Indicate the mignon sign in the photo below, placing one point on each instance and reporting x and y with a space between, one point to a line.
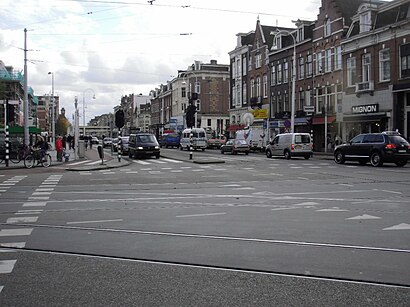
369 108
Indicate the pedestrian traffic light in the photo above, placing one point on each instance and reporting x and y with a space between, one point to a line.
119 119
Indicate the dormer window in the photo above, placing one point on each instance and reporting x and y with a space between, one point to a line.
278 41
300 34
365 22
327 29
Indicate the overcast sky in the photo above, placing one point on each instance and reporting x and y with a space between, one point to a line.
120 47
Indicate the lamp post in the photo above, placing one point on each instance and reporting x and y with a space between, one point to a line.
53 122
76 127
293 101
88 89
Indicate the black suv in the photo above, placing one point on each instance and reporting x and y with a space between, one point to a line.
143 144
376 148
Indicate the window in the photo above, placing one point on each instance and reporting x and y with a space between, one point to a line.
309 65
366 63
250 63
405 61
327 29
351 71
209 122
319 63
243 66
285 72
328 60
357 139
252 88
258 86
234 95
238 95
308 95
278 41
273 75
301 68
299 35
244 92
197 87
384 64
320 100
183 105
301 100
338 58
279 75
183 92
265 86
365 22
258 60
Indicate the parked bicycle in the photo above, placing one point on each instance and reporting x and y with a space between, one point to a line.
15 156
37 157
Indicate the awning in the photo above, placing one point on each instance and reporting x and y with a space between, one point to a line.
232 128
321 120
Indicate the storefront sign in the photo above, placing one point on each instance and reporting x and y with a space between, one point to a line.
370 108
260 113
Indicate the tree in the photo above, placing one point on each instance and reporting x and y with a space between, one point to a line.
62 125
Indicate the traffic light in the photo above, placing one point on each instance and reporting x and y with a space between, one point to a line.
119 119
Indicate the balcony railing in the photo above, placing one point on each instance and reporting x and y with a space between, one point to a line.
364 87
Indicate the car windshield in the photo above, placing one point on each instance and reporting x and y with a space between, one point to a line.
240 142
124 140
172 135
302 139
146 139
395 139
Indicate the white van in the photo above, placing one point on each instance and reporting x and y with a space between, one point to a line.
290 145
193 137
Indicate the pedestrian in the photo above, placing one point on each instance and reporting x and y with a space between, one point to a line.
85 142
59 148
69 140
90 139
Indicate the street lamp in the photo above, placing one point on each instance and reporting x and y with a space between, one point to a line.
88 89
292 119
53 122
76 127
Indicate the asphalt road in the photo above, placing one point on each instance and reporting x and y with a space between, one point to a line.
226 230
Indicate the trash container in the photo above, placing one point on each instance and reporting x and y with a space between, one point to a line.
81 149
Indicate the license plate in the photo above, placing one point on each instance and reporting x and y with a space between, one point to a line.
402 151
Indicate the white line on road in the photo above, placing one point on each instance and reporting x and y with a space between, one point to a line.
141 162
38 211
87 222
23 219
38 198
170 160
35 204
77 163
6 266
14 244
205 214
41 193
44 189
15 232
94 162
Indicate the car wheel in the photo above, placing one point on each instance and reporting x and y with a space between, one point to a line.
222 152
129 155
286 154
203 149
268 153
339 157
307 157
401 163
376 159
246 152
181 148
157 156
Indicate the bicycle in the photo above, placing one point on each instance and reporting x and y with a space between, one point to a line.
39 156
19 155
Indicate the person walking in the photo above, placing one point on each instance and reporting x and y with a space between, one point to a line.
59 148
64 142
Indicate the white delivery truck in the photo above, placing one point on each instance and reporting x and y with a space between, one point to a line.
194 138
254 136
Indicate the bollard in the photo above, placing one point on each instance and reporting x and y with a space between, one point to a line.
119 149
190 153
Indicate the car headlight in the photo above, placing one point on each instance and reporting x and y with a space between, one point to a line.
156 147
140 148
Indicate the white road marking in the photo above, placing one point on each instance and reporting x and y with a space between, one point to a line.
85 173
303 178
14 244
141 162
38 198
6 184
94 162
332 210
171 160
77 163
3 191
38 211
219 169
393 192
41 193
244 188
132 172
205 214
35 204
87 222
1 287
402 226
15 232
283 208
363 217
229 185
176 171
308 203
346 185
23 219
198 170
155 172
6 266
158 161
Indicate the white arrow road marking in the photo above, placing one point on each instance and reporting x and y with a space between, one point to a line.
402 226
6 266
363 217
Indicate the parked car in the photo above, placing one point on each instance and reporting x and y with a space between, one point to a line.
235 146
95 140
216 142
377 148
170 140
290 145
143 144
107 142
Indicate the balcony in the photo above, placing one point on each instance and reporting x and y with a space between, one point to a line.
256 101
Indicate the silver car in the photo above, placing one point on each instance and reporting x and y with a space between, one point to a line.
290 145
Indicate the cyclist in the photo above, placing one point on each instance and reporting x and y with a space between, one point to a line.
42 145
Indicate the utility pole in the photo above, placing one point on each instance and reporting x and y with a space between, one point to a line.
26 129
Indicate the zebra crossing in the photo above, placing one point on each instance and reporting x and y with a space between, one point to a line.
12 235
